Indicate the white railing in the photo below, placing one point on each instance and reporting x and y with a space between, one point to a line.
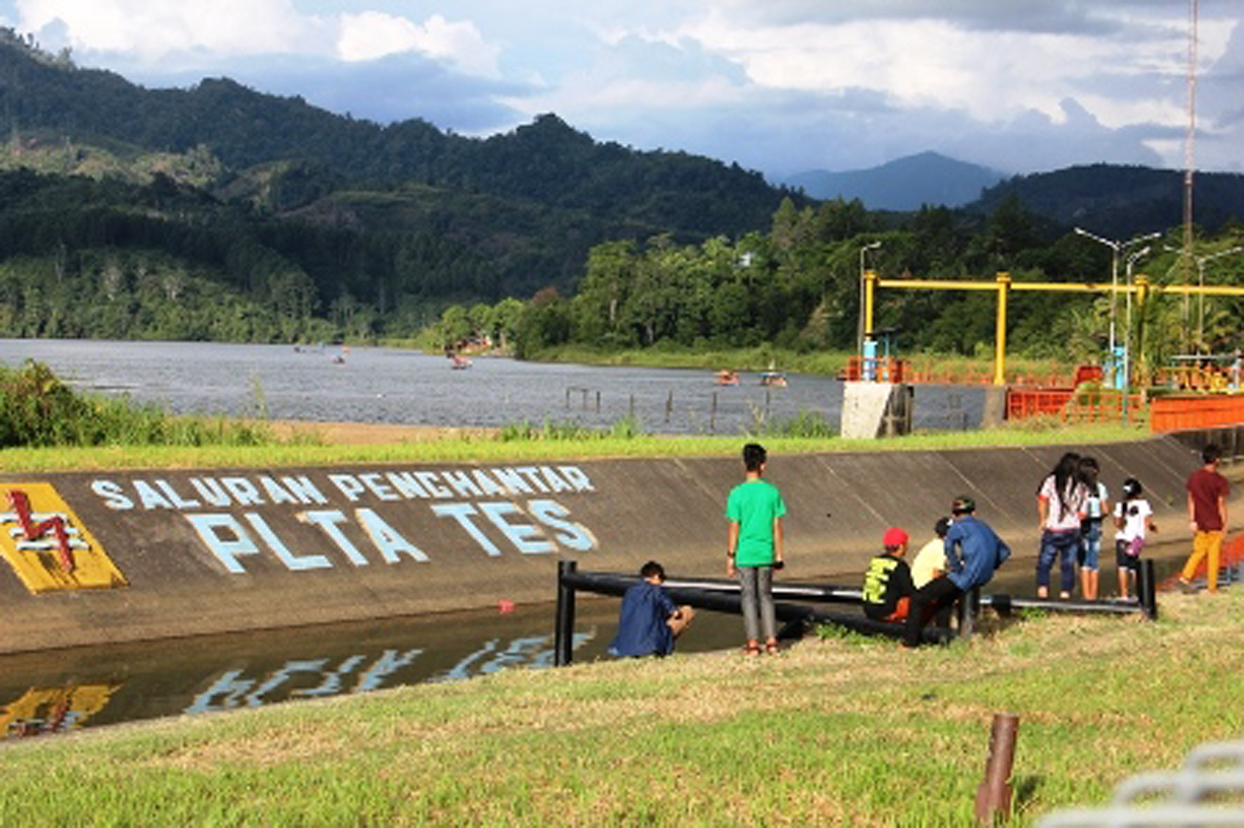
1208 790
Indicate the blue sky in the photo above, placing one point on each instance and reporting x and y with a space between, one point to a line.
781 86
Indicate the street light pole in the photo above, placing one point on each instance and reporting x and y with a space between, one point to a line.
1127 332
1116 248
1200 269
859 333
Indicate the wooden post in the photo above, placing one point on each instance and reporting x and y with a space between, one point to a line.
712 416
993 796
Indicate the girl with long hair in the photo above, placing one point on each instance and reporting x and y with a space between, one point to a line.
1060 508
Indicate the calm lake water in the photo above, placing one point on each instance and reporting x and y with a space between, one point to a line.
380 385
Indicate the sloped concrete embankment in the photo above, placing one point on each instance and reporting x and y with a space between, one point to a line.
209 551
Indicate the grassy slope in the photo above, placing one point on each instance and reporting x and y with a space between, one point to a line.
487 449
840 730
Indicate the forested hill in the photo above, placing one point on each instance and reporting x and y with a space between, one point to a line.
1121 201
300 223
546 162
222 213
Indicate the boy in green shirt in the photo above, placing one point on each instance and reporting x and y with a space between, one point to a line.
754 547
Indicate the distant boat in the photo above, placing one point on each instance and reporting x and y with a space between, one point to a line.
727 378
458 362
773 379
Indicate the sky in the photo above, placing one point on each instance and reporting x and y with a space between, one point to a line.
779 86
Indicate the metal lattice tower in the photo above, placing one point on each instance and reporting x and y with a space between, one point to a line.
1190 142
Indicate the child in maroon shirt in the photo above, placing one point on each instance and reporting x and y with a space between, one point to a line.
1207 517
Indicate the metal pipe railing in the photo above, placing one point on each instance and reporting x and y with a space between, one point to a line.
723 595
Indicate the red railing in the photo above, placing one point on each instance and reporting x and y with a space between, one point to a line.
884 369
1070 405
1023 403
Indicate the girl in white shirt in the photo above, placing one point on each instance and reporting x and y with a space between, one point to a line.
1060 508
1133 516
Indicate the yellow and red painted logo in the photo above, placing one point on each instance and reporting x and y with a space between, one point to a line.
46 544
46 710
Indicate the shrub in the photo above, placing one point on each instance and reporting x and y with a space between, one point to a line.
37 409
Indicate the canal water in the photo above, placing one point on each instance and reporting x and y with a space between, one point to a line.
50 693
382 385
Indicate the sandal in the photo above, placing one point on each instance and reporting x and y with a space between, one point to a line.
771 647
752 649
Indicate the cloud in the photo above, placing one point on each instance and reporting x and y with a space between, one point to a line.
187 34
150 31
780 86
373 35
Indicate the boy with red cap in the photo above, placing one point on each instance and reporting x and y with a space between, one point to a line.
887 584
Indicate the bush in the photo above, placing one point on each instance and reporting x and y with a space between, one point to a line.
37 409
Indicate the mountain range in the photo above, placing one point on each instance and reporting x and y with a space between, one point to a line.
904 184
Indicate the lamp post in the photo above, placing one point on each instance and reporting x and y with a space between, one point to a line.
1116 248
859 334
1200 269
1127 331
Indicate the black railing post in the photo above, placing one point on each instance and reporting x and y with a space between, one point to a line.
968 608
563 634
1146 588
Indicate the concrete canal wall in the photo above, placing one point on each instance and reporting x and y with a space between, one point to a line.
165 553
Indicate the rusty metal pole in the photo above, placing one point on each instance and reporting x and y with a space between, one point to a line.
993 796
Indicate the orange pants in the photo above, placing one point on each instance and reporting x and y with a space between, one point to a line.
1205 546
900 610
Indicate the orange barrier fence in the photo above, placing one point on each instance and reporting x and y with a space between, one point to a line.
1070 405
1183 413
883 369
1022 403
1104 406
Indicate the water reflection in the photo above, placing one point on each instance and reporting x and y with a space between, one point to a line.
62 691
57 692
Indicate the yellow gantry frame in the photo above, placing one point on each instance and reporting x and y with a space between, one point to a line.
1140 287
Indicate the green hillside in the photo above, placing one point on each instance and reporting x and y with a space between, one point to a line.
218 212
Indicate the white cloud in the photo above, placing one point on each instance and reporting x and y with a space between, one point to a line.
190 33
151 30
372 35
774 84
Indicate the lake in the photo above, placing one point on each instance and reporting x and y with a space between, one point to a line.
383 385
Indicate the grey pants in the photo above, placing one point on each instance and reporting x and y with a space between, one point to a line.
757 588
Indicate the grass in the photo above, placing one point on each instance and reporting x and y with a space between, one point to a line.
835 731
937 367
527 443
759 358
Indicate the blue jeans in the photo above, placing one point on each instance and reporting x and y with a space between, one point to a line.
1090 545
756 583
1064 546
